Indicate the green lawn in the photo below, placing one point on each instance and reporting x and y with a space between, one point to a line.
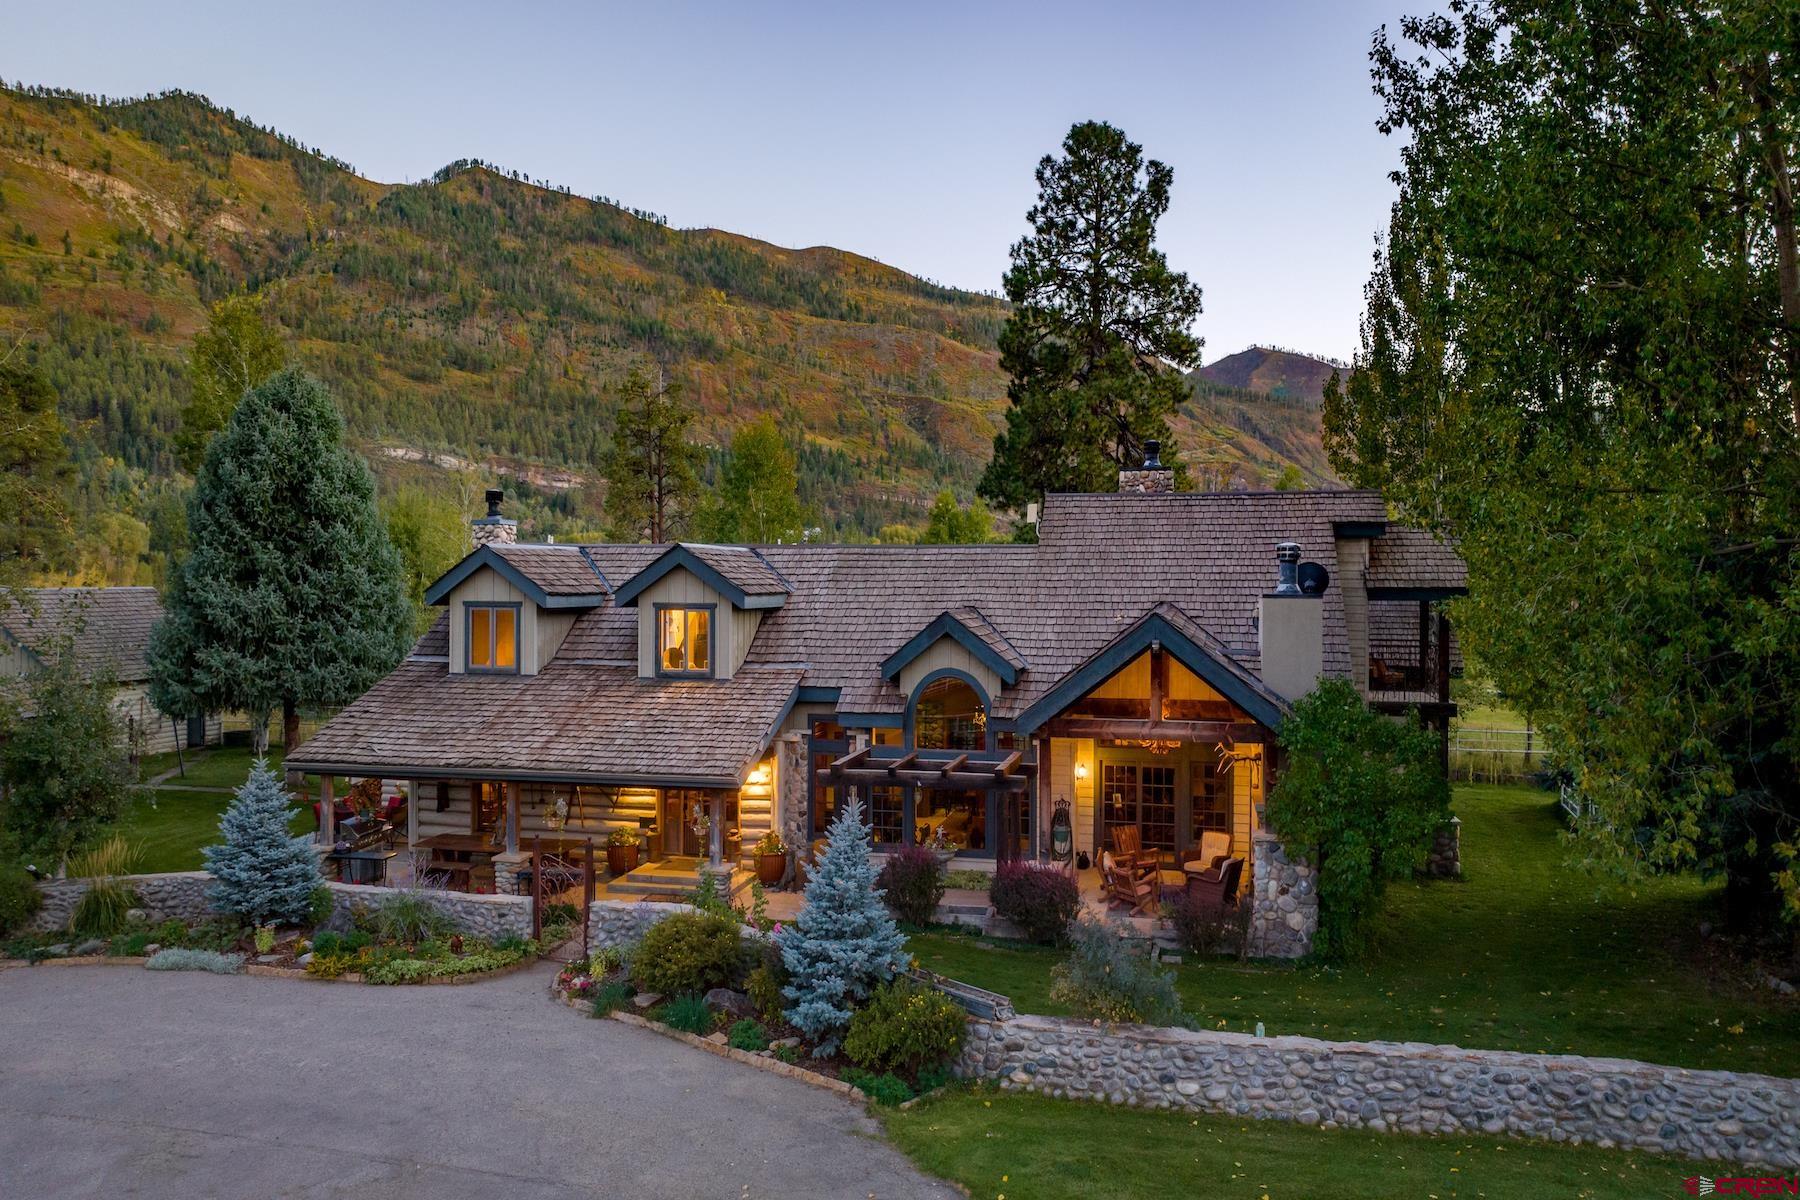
1033 1148
217 766
170 833
1524 954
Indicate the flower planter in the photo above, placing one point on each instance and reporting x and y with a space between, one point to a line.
770 868
621 859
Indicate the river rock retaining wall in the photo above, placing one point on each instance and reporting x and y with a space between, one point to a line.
1752 1120
489 917
1444 859
621 922
179 894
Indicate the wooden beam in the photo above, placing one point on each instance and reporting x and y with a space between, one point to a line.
1179 731
898 764
852 759
1008 763
954 765
1159 681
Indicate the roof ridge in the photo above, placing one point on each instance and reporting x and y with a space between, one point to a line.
595 567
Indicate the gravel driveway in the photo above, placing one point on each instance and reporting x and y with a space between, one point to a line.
118 1081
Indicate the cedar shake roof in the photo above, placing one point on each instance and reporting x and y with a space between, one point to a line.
1415 560
559 570
570 721
110 626
1103 565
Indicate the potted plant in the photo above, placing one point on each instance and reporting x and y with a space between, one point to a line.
621 851
771 859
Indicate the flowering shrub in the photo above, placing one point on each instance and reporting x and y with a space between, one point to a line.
913 881
1040 900
905 1027
1104 978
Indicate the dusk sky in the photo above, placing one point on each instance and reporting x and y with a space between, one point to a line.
906 132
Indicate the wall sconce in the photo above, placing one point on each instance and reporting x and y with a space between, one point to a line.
1081 772
760 780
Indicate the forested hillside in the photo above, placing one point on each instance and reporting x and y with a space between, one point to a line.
478 320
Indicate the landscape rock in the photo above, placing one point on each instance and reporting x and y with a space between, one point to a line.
735 1003
647 999
91 946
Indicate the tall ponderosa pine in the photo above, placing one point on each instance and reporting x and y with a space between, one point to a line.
653 469
261 872
1099 324
236 351
844 944
758 498
291 594
1581 357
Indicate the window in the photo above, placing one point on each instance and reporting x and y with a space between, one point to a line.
684 641
1211 799
493 637
949 716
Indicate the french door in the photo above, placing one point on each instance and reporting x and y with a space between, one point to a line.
1144 792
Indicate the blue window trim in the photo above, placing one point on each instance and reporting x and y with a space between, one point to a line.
712 641
469 607
912 705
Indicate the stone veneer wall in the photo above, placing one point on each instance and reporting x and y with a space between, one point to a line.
180 894
1750 1120
1444 859
1284 912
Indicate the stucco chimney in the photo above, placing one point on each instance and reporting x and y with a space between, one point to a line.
1291 626
494 529
1152 476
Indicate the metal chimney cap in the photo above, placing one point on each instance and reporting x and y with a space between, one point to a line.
1287 567
1287 552
1153 455
494 497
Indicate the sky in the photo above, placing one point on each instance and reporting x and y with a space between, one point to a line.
907 132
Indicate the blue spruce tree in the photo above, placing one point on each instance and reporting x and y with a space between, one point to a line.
262 872
843 944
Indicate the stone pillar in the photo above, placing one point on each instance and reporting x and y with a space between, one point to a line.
507 869
1285 901
494 529
1445 858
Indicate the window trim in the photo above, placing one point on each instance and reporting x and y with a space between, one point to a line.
469 607
712 641
911 726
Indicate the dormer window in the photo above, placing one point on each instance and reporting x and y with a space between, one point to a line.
684 640
493 639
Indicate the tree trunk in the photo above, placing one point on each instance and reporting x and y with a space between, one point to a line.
259 733
1781 209
290 727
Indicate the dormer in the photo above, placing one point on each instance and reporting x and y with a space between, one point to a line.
699 608
511 605
960 641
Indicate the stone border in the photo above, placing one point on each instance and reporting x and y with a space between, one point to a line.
1411 1087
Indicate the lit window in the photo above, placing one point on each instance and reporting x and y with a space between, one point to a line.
493 637
684 641
949 715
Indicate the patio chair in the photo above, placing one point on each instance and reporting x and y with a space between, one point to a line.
1216 890
1129 886
1128 850
1214 845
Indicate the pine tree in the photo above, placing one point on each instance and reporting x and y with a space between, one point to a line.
291 594
652 470
1098 321
844 943
262 872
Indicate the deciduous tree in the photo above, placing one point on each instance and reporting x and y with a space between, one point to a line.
951 523
758 496
1099 325
34 473
1581 357
237 350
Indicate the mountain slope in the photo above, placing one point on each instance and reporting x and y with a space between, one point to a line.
1252 414
1278 374
475 320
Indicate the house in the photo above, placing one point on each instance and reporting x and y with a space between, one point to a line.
1131 669
108 631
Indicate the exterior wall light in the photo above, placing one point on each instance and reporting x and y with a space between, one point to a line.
1081 772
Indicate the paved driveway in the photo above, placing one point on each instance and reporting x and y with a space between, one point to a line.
116 1081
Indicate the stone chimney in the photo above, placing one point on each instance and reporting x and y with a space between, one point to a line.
1291 627
1152 476
494 529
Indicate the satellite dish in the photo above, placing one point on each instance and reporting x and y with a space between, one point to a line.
1314 579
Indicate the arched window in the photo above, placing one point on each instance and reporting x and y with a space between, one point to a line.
948 714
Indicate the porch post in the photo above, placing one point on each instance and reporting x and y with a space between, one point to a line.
511 792
412 811
327 817
715 841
